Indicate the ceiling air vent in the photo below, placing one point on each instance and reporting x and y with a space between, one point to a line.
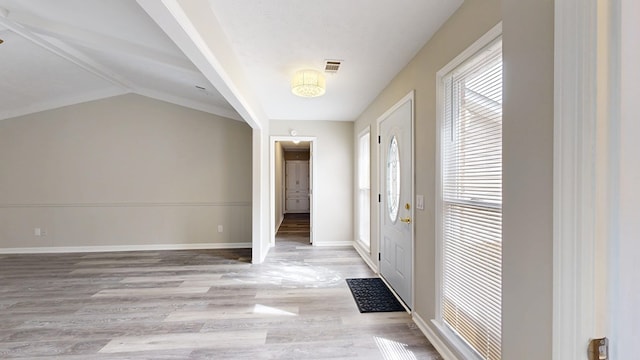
332 66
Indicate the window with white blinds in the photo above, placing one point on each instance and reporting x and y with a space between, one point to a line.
471 201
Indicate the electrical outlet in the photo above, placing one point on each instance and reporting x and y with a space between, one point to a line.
220 228
37 232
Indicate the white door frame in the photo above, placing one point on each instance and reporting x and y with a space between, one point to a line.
313 183
624 247
381 173
585 120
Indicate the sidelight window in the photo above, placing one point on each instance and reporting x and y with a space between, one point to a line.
470 201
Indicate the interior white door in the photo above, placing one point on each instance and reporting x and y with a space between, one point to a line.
396 208
297 186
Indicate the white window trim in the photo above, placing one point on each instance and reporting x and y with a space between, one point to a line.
366 247
459 345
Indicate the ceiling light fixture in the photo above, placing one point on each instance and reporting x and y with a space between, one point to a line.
308 83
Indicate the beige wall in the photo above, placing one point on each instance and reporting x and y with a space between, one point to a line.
124 171
528 161
333 190
472 20
527 258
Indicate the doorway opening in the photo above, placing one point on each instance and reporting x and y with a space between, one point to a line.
294 229
292 182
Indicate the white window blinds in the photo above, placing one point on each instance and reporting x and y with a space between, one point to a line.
471 237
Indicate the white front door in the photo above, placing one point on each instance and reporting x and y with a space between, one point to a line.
396 206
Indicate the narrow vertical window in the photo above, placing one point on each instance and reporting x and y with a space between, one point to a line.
393 180
470 235
364 188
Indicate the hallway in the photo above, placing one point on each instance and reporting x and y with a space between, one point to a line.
295 227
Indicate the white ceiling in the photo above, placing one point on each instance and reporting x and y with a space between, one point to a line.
375 39
68 51
63 52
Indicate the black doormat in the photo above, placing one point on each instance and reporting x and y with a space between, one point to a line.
372 295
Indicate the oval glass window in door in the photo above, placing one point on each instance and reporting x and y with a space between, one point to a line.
393 179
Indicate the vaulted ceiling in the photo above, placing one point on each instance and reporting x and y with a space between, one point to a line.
226 57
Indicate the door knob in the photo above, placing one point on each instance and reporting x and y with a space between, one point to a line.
406 220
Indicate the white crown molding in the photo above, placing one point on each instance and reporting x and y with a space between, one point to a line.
195 105
62 102
111 92
120 248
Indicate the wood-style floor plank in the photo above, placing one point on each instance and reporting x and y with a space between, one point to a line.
247 338
197 304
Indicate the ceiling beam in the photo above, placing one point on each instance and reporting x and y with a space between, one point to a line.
100 42
193 26
65 52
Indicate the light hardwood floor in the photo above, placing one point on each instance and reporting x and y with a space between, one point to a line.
197 304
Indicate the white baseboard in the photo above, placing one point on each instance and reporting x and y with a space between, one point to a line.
433 338
333 243
365 256
116 248
279 223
